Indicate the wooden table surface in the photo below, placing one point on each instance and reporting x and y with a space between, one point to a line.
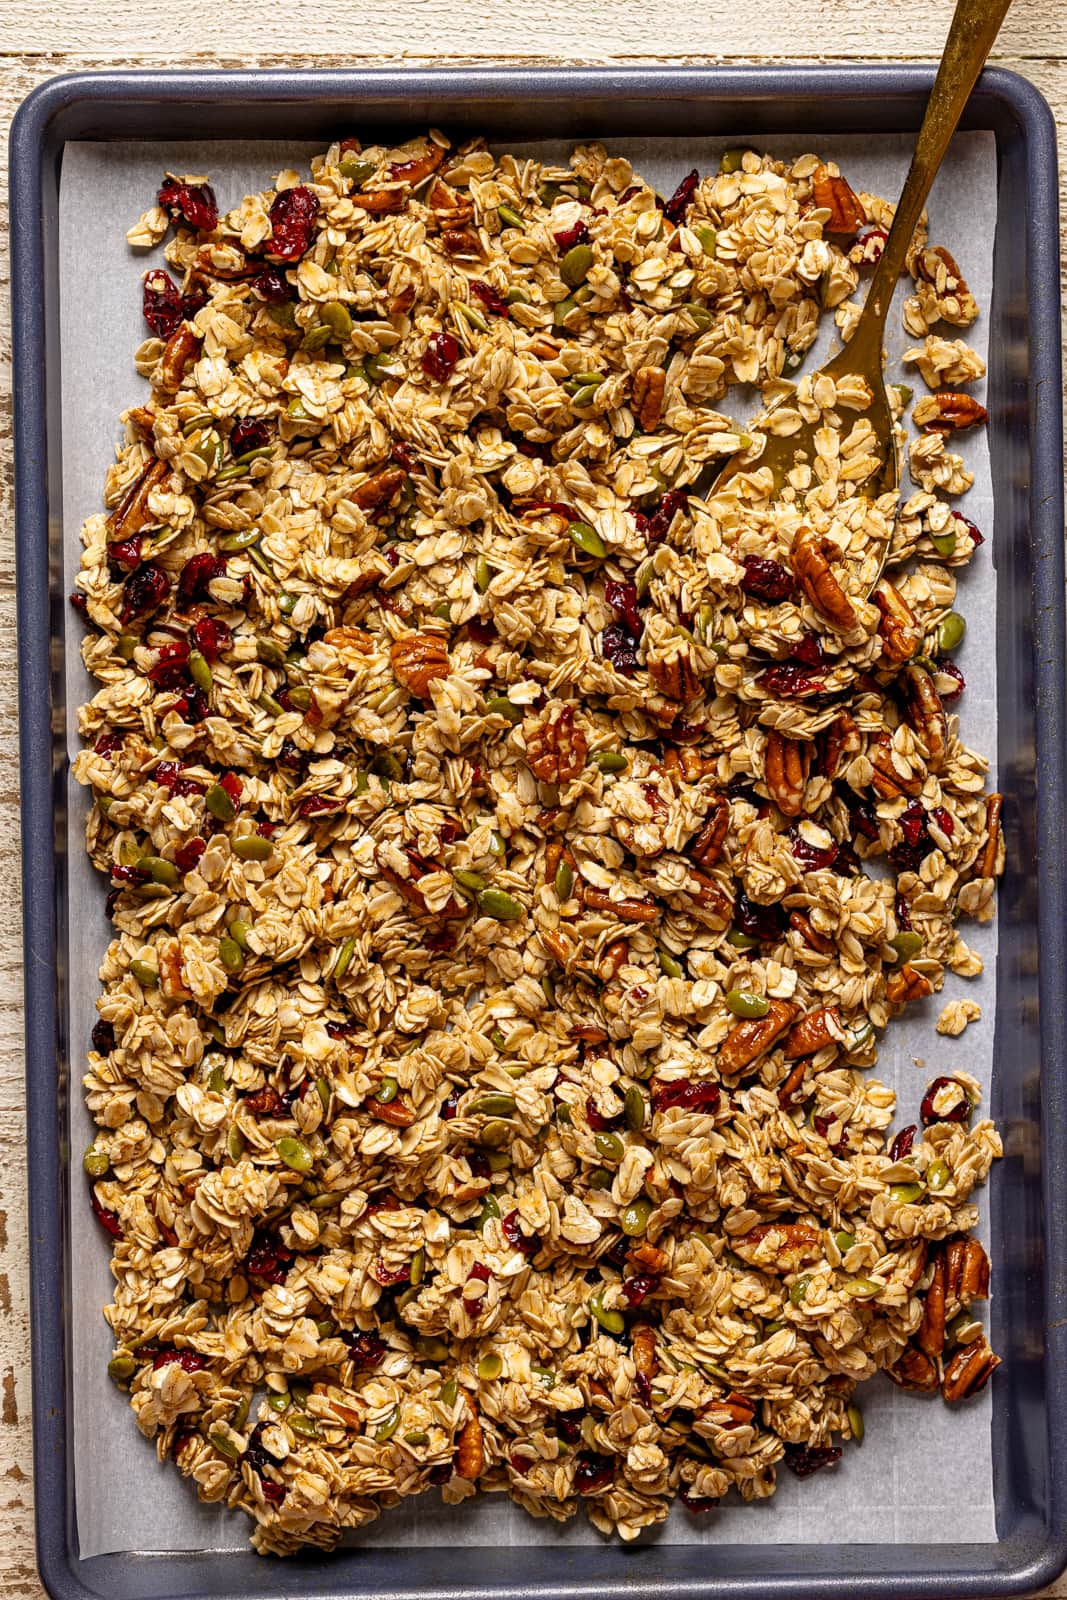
40 38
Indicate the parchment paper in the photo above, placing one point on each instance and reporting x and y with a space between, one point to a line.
923 1473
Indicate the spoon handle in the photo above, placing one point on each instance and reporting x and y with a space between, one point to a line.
970 39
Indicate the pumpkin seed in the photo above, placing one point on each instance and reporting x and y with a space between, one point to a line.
634 1219
509 217
96 1162
668 964
355 169
611 1321
504 907
219 802
743 1003
950 633
295 1154
609 760
574 268
799 1290
844 1241
563 882
855 1422
387 1091
303 1427
587 540
944 543
146 976
338 319
609 1146
159 869
907 944
634 1109
709 239
231 955
224 1445
741 941
469 880
493 1105
417 1270
562 310
500 706
490 1367
121 1367
448 1392
252 847
906 1193
938 1174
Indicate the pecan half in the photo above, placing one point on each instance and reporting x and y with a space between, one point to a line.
966 1272
948 411
556 749
731 1410
786 763
840 739
927 714
897 627
915 1370
397 1113
751 1039
814 1032
674 675
556 945
469 1460
627 909
907 984
419 167
838 197
987 861
643 1344
647 399
931 1335
381 202
132 513
615 957
379 490
461 241
142 417
417 659
792 1085
706 847
182 347
888 780
349 638
812 938
937 267
450 208
793 1243
811 554
968 1371
686 762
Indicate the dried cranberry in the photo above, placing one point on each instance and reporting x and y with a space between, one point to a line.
187 855
567 238
479 1164
872 243
803 1460
107 1219
80 604
440 356
811 857
861 816
847 863
171 665
697 1503
479 1273
689 1093
767 580
622 597
676 207
534 451
789 681
193 706
976 537
913 823
659 523
272 286
211 638
249 433
481 629
265 1102
317 805
439 940
450 1107
292 220
766 923
620 648
128 877
559 507
169 774
188 1360
144 592
949 669
126 553
273 1493
439 1474
268 1258
233 786
944 821
638 1288
596 1119
290 755
107 744
110 903
644 1386
809 649
593 1472
366 1351
197 573
569 1428
903 911
903 1142
489 298
959 1113
254 1453
341 1030
193 302
193 203
103 1037
161 303
529 1244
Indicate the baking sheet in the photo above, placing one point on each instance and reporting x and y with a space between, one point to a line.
923 1473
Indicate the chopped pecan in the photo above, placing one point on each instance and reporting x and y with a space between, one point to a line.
556 750
751 1039
801 924
811 555
142 417
786 763
937 267
686 762
615 956
419 167
793 1243
915 1370
643 1344
987 861
645 1257
378 490
381 202
470 1450
791 1086
906 984
897 628
674 675
171 972
966 1272
409 889
461 241
417 659
181 348
927 714
948 411
931 1335
968 1371
706 848
349 638
731 1410
647 399
840 739
837 196
814 1032
450 208
132 513
397 1113
628 909
402 302
888 781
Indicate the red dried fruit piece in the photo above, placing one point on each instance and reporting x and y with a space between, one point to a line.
622 597
197 573
490 299
790 681
822 1125
913 823
567 238
659 523
107 744
317 805
192 203
976 537
533 508
569 1428
404 455
144 592
527 1243
292 220
593 1472
903 911
366 1351
128 877
767 580
192 707
811 857
187 855
903 1142
80 604
188 1360
766 923
107 1219
450 1106
249 433
193 302
161 303
809 649
268 1258
688 1093
440 356
697 1503
479 1273
341 1030
171 666
861 816
265 1102
961 1112
273 1493
620 648
682 198
272 286
949 669
211 638
803 1460
944 821
126 553
638 1288
103 1037
232 784
872 243
169 774
596 1119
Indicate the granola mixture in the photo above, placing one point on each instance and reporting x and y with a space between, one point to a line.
517 847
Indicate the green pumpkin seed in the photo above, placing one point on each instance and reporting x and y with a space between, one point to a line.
855 1422
344 958
799 1290
303 1427
938 1175
493 1105
907 944
240 1416
231 955
609 1146
267 702
385 1430
217 1080
634 1219
471 316
252 847
338 319
562 310
904 392
585 395
574 268
387 1090
448 1392
500 706
944 543
126 644
326 1202
483 574
544 1376
600 1178
906 1193
743 1003
504 907
121 1367
611 1321
517 296
494 1135
563 1116
244 539
284 315
699 316
609 760
96 1162
490 1367
322 1089
224 1445
730 160
587 540
563 882
950 633
317 337
239 931
235 1143
298 411
295 1154
669 965
469 880
279 1402
499 1038
159 869
220 804
270 653
355 169
634 1109
741 941
417 1270
497 846
416 1438
509 217
146 976
709 239
862 1288
844 1241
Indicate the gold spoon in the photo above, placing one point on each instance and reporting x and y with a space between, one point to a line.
974 27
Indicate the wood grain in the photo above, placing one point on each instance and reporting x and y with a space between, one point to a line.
40 40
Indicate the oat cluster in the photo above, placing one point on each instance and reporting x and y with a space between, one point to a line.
518 845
